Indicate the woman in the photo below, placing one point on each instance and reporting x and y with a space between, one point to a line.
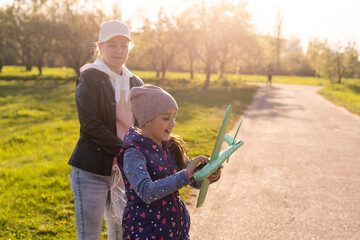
102 99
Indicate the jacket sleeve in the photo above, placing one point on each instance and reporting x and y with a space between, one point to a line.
86 96
148 190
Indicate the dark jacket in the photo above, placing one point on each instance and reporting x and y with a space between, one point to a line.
96 106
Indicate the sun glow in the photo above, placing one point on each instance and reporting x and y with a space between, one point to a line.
335 20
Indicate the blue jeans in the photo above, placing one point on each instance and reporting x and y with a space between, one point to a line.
92 202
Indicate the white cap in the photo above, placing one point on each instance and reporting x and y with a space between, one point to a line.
113 28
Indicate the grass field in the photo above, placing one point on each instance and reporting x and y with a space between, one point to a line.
345 95
39 131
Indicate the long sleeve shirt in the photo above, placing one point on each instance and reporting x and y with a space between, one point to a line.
148 190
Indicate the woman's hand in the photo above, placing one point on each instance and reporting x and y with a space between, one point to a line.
190 169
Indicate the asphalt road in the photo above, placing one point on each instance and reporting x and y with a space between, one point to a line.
297 176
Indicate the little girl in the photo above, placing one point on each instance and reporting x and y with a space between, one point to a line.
154 167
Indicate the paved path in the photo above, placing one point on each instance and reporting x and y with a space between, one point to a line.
296 177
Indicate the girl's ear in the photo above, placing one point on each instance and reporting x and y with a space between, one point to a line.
148 123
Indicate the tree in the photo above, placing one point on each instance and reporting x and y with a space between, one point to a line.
187 38
294 59
159 43
333 62
20 36
278 38
313 55
235 35
2 38
43 33
347 60
203 18
28 30
76 32
351 61
217 34
237 43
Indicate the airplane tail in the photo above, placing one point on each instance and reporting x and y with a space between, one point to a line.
230 141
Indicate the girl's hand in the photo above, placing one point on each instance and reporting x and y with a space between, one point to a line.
215 175
190 169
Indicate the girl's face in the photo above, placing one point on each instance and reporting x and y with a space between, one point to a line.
159 128
115 52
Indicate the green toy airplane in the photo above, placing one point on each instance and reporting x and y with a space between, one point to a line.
217 158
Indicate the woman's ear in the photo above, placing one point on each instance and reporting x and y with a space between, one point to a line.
99 46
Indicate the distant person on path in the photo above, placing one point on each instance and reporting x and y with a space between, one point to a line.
154 167
102 99
269 73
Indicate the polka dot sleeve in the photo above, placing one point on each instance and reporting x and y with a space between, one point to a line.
148 190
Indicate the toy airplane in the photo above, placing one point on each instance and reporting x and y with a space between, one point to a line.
217 158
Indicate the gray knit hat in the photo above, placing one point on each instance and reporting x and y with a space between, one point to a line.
149 101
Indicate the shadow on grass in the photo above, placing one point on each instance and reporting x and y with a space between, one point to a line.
37 87
36 77
62 93
217 97
354 88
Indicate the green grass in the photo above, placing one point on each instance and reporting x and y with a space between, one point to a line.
20 73
345 95
40 129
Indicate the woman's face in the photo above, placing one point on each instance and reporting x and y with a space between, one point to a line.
115 52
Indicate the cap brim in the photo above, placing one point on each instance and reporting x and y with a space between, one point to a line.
114 35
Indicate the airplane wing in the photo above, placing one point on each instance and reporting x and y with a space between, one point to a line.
220 137
202 194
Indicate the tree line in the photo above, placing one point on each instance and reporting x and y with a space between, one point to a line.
208 38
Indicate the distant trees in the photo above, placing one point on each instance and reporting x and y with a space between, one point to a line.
38 31
75 36
205 37
278 31
18 29
161 43
333 63
2 38
216 35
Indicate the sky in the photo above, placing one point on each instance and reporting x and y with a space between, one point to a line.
338 21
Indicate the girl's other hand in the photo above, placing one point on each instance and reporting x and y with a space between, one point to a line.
190 169
215 175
